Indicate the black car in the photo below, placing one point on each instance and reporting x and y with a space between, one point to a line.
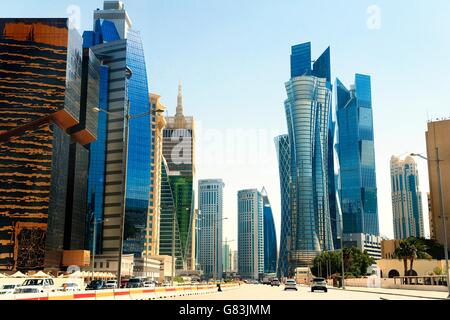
135 283
96 285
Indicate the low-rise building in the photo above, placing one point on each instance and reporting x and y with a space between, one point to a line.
391 268
166 263
147 268
364 242
388 248
106 263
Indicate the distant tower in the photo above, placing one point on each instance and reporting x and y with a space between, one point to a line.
406 199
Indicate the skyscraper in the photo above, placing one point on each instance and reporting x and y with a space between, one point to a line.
48 87
270 237
406 199
284 163
356 153
308 110
127 92
438 145
179 152
210 204
250 234
154 216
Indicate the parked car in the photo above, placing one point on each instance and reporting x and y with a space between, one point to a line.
69 287
319 284
275 283
8 289
96 285
38 285
149 284
166 284
290 285
135 283
111 284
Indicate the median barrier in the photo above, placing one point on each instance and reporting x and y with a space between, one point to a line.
61 296
86 295
122 294
31 296
105 295
160 293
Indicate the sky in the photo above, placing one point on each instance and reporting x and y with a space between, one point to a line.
232 57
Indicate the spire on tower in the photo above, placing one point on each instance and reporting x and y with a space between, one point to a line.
180 109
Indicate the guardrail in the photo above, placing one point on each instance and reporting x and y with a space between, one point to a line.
125 294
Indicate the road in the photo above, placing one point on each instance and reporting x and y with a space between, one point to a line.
262 293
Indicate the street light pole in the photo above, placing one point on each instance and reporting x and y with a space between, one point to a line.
173 246
443 215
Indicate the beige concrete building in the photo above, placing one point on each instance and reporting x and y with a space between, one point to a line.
388 248
391 268
107 263
430 217
438 144
166 262
153 222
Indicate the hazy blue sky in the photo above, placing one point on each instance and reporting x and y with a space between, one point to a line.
233 59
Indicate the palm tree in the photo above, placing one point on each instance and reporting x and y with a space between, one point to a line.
404 252
409 250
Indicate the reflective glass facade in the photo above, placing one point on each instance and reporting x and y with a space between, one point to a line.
308 109
270 237
43 167
250 234
356 152
406 199
284 163
210 234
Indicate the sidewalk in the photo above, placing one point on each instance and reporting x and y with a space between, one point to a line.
399 292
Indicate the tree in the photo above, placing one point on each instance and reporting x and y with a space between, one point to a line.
409 250
356 263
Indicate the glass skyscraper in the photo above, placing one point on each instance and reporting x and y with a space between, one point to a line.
210 234
270 237
307 111
356 152
250 234
406 199
48 87
284 161
121 48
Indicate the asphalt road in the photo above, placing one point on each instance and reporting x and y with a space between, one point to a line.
264 293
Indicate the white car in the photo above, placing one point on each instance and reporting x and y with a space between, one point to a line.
69 287
149 284
290 285
8 289
111 284
36 286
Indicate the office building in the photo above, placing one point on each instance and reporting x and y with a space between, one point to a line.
356 151
226 257
406 199
179 152
270 237
438 148
154 215
307 107
430 217
48 88
121 48
364 242
210 204
250 234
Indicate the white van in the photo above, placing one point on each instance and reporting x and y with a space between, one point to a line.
36 285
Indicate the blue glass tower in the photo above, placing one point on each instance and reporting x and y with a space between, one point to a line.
284 162
308 109
125 90
270 237
356 153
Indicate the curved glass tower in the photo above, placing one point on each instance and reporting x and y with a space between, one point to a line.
270 237
308 109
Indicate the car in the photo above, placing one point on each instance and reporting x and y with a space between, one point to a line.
319 284
111 284
135 283
149 284
290 285
96 285
41 286
8 289
69 287
166 284
275 283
